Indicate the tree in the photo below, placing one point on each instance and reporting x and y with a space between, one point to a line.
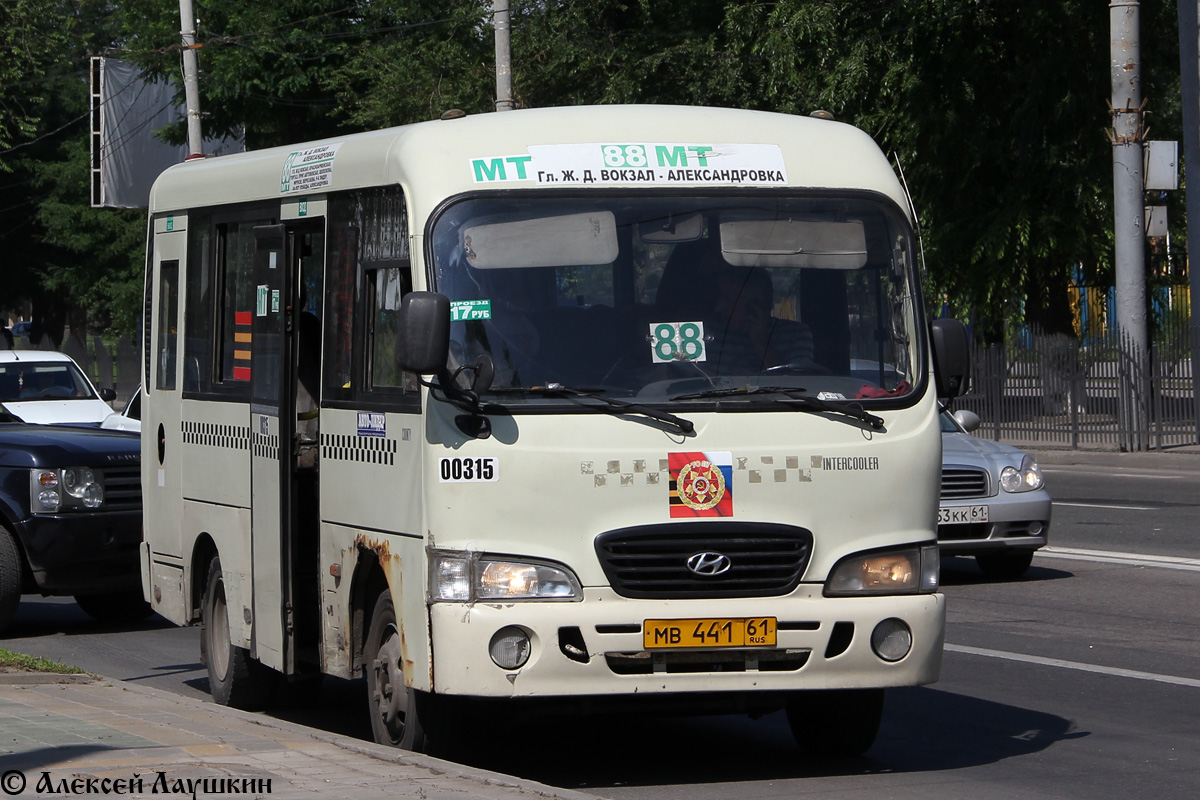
64 259
995 108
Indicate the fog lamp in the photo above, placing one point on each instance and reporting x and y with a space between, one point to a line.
510 647
891 640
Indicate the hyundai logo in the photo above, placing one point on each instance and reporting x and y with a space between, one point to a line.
709 564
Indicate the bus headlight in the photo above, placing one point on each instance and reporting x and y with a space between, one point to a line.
69 489
915 569
470 577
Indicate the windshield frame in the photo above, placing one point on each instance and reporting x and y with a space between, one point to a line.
737 404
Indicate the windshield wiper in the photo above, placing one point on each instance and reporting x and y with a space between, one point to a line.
616 406
794 398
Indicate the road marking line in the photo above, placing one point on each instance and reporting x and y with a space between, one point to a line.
1076 665
1097 505
1148 475
1131 559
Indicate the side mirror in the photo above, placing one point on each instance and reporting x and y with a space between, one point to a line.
423 329
969 420
951 357
108 395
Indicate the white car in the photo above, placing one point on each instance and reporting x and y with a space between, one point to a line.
994 503
130 419
48 388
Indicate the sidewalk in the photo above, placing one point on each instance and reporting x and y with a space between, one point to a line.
66 735
1185 457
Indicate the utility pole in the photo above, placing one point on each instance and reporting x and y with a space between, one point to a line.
1129 208
501 22
1189 75
191 81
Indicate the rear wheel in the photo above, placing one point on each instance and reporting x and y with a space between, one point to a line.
10 578
1005 564
398 712
835 723
114 606
235 678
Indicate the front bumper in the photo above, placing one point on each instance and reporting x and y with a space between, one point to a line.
83 553
594 647
1014 521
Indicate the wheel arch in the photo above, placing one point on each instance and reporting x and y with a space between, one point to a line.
24 573
367 581
203 551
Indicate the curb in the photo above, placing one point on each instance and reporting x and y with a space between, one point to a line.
23 678
379 752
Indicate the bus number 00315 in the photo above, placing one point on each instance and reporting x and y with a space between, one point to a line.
468 470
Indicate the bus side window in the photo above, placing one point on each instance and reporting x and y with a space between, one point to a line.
384 289
198 318
167 335
367 271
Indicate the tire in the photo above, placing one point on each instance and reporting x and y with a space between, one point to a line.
115 606
235 678
398 713
835 723
11 569
1005 564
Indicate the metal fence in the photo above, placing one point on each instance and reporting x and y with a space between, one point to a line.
1037 388
1053 389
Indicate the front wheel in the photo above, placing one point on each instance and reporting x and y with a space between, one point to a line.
114 606
398 712
835 723
11 566
235 678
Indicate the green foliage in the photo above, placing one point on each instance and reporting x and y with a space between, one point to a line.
996 109
31 38
64 259
27 663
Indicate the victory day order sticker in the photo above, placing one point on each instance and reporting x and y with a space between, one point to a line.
701 484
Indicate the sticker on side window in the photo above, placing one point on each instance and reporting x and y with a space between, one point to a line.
677 341
468 470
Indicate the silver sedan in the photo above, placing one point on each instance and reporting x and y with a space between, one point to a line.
994 504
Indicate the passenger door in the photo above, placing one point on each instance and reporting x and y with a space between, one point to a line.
275 525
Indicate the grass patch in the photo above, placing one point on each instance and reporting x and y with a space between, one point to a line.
20 661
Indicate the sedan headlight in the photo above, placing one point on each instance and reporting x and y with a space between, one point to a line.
1026 479
70 489
915 569
458 577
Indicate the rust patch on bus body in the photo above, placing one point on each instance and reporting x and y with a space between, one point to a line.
380 547
394 574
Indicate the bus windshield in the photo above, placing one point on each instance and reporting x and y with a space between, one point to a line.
682 298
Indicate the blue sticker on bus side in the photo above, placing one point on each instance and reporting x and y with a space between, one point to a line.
372 423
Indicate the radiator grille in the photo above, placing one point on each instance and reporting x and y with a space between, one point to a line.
652 561
958 483
122 489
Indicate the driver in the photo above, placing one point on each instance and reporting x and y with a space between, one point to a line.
35 384
749 338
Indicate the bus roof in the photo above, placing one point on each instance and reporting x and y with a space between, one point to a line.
514 149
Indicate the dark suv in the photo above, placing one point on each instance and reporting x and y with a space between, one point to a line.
70 518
